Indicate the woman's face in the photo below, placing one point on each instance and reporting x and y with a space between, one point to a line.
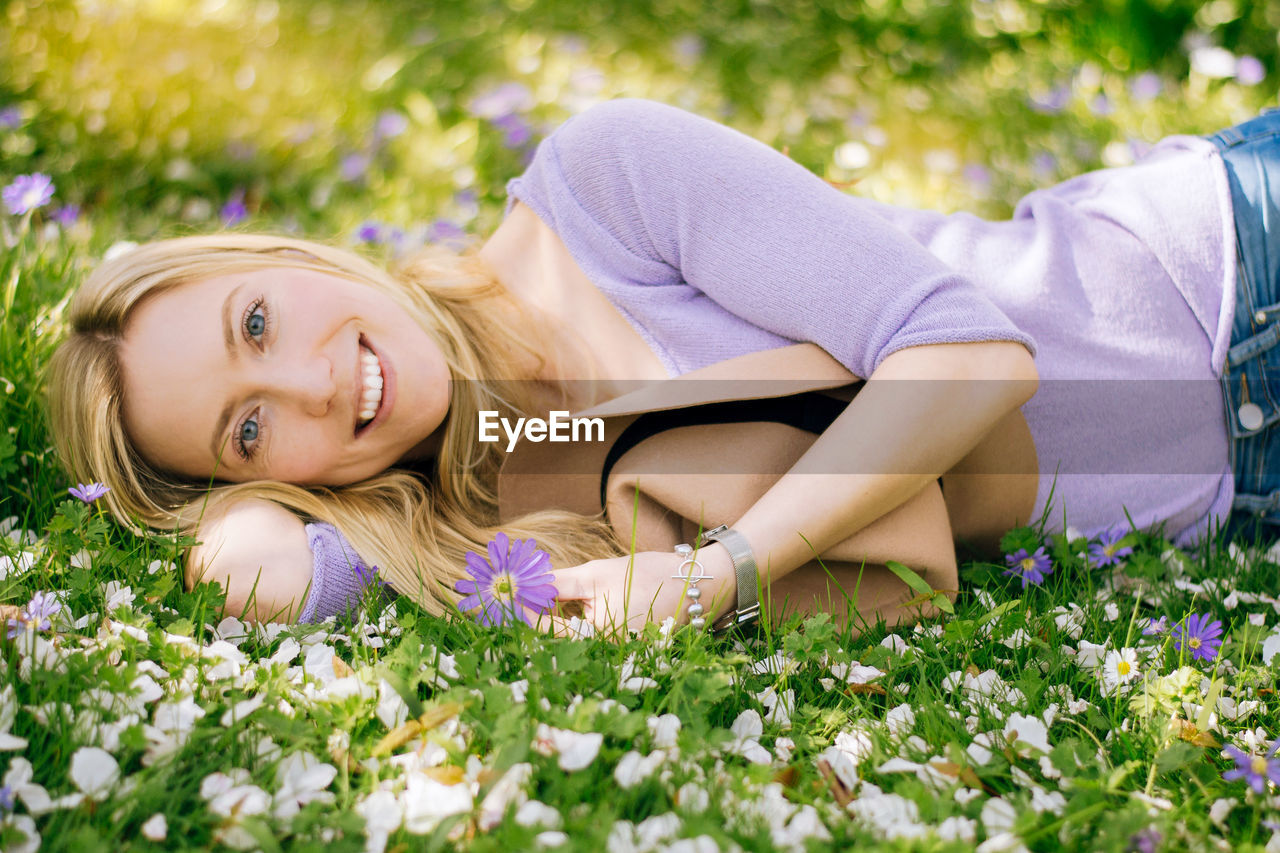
275 374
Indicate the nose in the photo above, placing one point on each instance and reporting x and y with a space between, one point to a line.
306 382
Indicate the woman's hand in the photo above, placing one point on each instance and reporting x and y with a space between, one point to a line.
630 591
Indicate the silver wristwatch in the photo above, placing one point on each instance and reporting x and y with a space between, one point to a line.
744 569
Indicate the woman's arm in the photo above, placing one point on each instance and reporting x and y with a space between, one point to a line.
258 552
922 410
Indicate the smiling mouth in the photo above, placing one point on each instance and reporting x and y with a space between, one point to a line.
371 384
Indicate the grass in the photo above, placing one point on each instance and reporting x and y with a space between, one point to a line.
991 727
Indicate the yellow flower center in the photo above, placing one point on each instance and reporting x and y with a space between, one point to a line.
1123 667
504 585
1194 642
1259 765
1028 564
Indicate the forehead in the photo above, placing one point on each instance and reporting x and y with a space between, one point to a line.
171 357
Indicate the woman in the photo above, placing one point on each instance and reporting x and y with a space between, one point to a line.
644 243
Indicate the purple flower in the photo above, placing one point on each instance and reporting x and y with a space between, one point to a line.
1156 626
10 118
368 575
1051 102
1105 551
1101 105
1200 636
89 493
1255 770
1029 569
35 616
1144 841
1145 86
516 576
6 799
67 215
445 231
27 192
369 232
1249 71
234 210
505 100
516 131
354 166
390 124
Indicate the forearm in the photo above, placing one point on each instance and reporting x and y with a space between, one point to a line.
893 439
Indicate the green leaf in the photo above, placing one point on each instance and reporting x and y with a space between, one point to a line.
943 603
1176 756
910 578
998 611
8 450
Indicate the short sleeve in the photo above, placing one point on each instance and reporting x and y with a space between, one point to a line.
684 199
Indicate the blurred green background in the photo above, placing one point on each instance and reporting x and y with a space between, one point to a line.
392 123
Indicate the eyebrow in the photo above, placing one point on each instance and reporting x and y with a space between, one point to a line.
233 354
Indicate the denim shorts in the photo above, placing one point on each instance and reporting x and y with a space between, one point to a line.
1251 376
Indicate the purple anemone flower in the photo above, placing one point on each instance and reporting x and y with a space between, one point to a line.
1105 552
1255 770
10 118
515 577
234 210
89 493
27 192
369 232
1156 626
1200 635
36 615
6 799
1145 841
1029 569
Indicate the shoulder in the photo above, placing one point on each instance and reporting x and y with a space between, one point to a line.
629 123
259 553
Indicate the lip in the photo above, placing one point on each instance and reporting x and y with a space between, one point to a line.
388 385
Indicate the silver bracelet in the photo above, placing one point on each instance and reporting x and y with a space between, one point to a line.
691 578
744 569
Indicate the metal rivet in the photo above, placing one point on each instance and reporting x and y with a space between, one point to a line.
1250 415
1260 317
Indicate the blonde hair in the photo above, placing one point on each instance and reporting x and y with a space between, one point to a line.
416 532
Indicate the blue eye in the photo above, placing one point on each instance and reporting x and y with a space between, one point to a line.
246 436
256 322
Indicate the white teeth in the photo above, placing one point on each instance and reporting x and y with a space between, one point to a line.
371 380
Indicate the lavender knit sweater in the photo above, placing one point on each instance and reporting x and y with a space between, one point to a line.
1120 283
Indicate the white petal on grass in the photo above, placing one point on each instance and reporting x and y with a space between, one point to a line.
94 771
576 750
156 828
692 797
998 815
900 720
779 706
1220 809
957 828
29 838
427 802
1004 842
382 812
1270 648
889 815
628 680
664 730
1028 730
519 689
537 813
633 768
392 710
507 790
855 673
1089 655
301 778
242 709
551 838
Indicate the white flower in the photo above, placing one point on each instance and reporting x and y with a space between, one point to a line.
779 706
507 790
998 815
392 710
957 829
576 750
537 813
8 713
302 778
156 828
692 797
240 710
1004 842
1270 648
519 689
1029 730
1090 654
628 680
855 673
1119 668
633 768
1110 611
117 595
900 720
1215 62
30 838
427 802
891 815
94 771
746 728
896 644
664 730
